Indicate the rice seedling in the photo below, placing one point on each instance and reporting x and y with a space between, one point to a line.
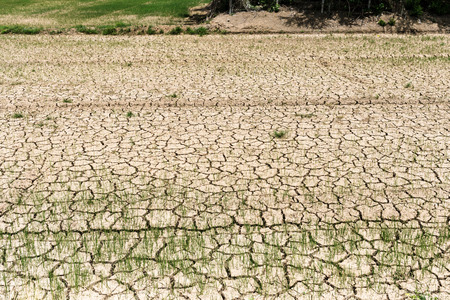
17 115
191 248
279 134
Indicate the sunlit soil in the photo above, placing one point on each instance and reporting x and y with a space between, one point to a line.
224 167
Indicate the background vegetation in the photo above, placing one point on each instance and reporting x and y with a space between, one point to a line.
413 7
90 12
25 16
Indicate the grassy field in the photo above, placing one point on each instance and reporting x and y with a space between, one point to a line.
59 13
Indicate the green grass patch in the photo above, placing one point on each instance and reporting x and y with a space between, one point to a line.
109 30
18 29
17 116
85 30
70 13
201 31
151 30
121 24
176 31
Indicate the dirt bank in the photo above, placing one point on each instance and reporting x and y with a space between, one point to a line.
292 21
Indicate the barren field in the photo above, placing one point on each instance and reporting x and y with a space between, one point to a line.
225 167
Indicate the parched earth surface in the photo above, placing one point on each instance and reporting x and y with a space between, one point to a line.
225 167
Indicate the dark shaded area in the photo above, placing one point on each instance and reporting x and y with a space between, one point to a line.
199 14
316 14
316 20
350 8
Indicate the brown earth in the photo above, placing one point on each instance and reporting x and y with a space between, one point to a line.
225 167
290 20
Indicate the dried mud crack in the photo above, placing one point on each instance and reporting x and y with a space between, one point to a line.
225 167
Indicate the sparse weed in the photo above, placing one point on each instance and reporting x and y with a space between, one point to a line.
109 31
121 24
421 296
18 29
163 250
150 30
304 116
124 30
201 31
176 31
189 30
85 30
56 31
17 115
279 134
221 31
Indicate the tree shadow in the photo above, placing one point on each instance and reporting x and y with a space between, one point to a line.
316 20
199 14
443 22
406 24
310 19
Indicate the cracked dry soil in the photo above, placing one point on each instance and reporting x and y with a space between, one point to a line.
225 167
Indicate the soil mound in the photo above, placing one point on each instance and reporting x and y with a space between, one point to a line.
290 20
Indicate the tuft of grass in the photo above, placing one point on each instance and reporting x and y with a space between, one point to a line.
130 114
408 85
56 31
67 100
279 134
17 116
176 31
18 29
109 30
382 23
174 95
304 116
121 24
201 31
391 22
85 30
124 30
222 31
420 296
150 30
